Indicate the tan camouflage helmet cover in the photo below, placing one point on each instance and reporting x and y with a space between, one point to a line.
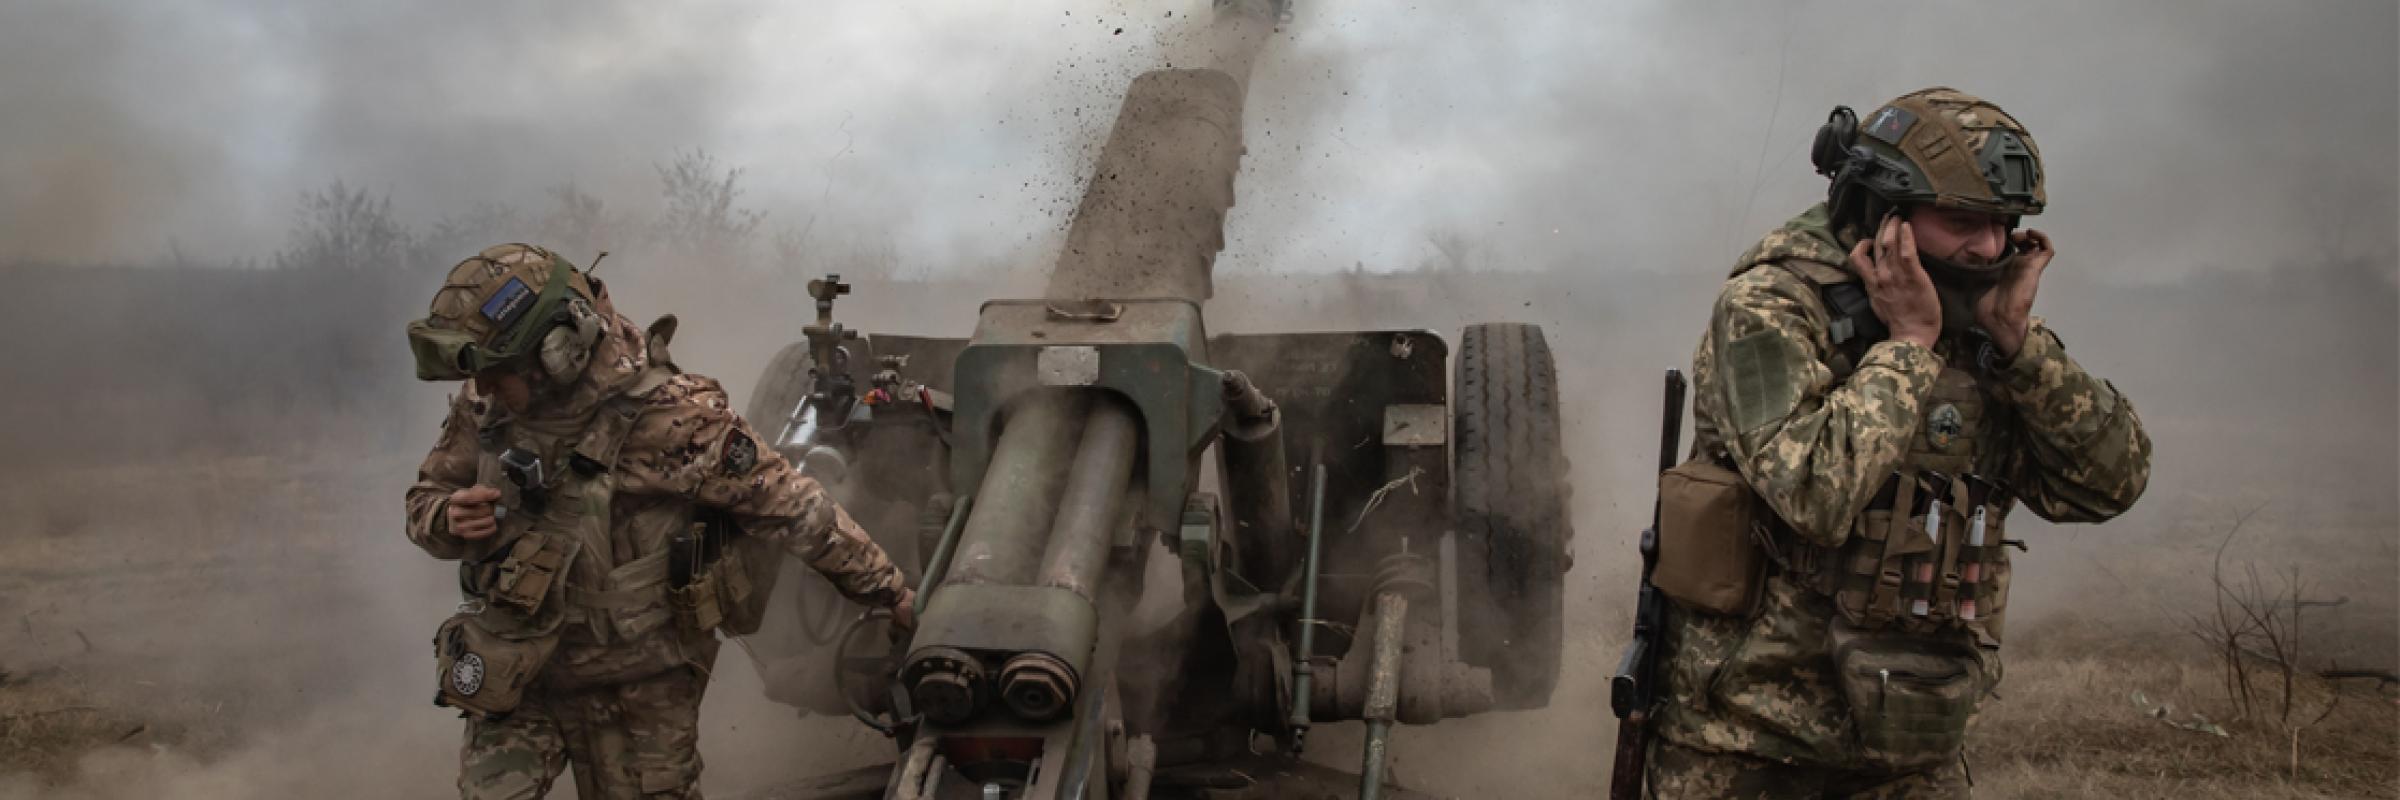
491 309
1967 153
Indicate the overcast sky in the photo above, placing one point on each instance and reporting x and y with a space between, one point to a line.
2179 135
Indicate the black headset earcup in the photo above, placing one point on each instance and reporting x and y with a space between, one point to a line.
1831 150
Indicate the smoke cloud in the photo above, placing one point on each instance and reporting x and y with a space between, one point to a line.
2179 138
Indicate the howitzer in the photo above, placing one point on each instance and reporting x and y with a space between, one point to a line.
1344 525
1633 691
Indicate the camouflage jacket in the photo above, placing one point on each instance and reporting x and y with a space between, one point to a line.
687 449
1816 449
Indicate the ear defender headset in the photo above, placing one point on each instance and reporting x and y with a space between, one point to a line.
1863 182
567 347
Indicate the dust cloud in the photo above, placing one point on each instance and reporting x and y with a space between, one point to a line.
202 570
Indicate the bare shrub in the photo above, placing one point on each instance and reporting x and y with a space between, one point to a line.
1453 251
460 235
702 217
579 222
2255 622
344 227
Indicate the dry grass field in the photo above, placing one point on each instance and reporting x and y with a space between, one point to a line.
197 663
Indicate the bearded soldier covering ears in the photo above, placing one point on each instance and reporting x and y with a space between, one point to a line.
610 514
1876 398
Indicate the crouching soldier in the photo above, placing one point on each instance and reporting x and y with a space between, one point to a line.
609 514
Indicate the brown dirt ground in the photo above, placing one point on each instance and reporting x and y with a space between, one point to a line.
135 668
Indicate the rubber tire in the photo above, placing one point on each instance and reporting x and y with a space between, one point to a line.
780 389
1510 474
797 648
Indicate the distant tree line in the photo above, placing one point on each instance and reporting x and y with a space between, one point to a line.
702 215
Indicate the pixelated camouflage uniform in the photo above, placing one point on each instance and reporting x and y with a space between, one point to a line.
1750 707
623 708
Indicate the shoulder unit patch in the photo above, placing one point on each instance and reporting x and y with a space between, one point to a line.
741 455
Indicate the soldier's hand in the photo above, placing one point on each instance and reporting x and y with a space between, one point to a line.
2006 312
1897 284
904 612
470 512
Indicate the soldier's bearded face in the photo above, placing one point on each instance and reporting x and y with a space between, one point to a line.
1966 238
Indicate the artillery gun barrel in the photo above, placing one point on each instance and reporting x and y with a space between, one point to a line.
1089 512
1153 216
1082 415
1019 499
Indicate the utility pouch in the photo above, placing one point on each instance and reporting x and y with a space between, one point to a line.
634 605
1910 696
484 661
1709 558
523 579
1870 571
696 603
1989 590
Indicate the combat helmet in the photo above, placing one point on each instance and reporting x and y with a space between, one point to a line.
1939 146
512 306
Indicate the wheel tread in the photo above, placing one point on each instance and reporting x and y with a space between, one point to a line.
1511 498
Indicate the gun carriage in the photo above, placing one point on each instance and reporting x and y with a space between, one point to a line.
1151 557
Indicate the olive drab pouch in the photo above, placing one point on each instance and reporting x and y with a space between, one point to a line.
1709 558
1910 696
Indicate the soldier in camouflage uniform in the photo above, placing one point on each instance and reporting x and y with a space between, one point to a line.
635 449
1872 372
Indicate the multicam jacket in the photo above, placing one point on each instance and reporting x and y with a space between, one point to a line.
684 449
1816 436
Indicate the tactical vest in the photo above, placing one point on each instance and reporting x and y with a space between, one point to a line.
577 590
1929 552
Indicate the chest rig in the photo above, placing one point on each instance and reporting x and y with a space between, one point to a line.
524 589
1929 552
577 561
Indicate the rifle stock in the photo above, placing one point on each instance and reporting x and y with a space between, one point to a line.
1625 778
1632 691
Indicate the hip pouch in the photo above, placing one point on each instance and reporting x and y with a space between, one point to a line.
487 653
1910 696
482 667
1708 556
